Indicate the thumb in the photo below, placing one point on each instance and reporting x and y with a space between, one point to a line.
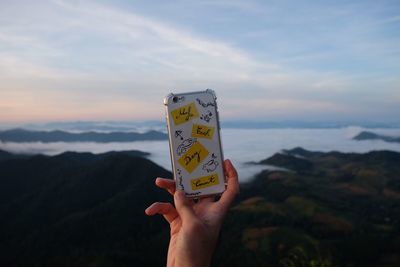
183 206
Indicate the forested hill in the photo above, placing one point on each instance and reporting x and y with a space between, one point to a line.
328 209
80 209
22 135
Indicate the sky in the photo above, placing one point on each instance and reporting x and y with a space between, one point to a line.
267 60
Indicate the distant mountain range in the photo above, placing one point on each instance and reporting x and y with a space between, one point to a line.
102 126
82 157
259 124
22 135
82 209
160 126
373 136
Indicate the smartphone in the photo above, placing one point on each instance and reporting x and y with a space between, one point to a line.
195 142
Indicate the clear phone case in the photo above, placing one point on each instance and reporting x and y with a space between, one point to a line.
195 142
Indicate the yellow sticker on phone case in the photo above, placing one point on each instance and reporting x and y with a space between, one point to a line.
185 113
205 181
193 157
202 131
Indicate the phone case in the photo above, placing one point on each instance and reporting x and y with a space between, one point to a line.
195 142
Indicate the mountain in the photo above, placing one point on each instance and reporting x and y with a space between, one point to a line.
102 126
22 135
4 155
373 136
330 209
75 156
293 162
301 152
299 124
80 209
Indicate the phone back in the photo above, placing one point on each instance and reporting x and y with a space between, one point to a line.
195 143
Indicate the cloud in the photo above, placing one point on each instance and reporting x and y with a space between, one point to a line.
282 108
251 7
82 59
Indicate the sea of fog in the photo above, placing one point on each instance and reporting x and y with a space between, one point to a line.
240 145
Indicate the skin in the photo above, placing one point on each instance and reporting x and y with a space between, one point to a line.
195 226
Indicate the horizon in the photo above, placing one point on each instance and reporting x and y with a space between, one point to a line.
267 61
160 125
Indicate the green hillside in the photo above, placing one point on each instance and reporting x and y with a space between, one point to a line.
330 209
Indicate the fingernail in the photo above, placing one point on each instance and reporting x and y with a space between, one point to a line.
147 210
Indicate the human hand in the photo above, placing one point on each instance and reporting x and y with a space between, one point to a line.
194 226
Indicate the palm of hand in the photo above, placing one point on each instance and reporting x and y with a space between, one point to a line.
194 226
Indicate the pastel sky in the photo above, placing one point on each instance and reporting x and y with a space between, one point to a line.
269 60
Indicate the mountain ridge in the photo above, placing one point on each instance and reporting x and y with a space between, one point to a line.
60 211
342 210
365 135
330 209
21 135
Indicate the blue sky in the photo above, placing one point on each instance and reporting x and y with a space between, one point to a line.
269 60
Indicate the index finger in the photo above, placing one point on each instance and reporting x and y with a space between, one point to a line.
167 184
232 189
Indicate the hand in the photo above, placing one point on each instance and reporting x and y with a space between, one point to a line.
195 226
